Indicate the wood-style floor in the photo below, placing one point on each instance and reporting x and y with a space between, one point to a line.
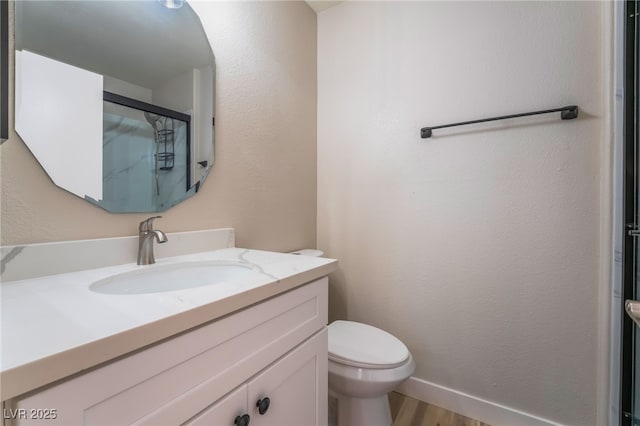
407 411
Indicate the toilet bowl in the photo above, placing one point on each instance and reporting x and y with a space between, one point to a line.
365 364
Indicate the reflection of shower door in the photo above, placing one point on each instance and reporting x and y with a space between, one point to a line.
630 374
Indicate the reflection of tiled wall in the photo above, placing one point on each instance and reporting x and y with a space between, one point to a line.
127 163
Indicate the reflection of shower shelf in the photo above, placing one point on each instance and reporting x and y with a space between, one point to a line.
165 149
165 161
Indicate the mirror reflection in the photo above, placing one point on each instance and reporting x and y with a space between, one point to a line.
115 99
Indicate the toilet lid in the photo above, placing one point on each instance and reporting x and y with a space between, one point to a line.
362 345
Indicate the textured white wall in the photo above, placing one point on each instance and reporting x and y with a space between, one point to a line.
264 179
477 247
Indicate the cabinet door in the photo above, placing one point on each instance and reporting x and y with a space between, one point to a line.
223 412
296 387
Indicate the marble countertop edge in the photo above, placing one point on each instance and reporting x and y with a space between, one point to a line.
35 373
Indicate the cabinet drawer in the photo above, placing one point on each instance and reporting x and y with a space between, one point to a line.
214 359
225 411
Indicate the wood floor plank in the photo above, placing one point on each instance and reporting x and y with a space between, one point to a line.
407 411
436 416
395 402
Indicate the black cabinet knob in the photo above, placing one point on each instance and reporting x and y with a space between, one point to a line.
242 420
263 405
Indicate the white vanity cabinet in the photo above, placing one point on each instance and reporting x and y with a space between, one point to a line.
212 375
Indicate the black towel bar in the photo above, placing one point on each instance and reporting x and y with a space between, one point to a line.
566 113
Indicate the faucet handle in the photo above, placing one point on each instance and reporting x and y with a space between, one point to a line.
147 224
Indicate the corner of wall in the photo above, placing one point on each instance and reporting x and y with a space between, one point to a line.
604 396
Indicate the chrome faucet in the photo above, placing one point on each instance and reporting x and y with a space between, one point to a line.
146 235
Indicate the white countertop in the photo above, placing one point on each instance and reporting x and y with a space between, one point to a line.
54 326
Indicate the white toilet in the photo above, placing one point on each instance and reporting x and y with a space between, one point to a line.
365 364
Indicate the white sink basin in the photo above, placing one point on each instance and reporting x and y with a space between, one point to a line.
178 276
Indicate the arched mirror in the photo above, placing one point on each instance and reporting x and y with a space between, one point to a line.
116 99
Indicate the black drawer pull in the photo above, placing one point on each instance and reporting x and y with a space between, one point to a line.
242 420
263 405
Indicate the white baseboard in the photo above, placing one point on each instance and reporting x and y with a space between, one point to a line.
468 405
